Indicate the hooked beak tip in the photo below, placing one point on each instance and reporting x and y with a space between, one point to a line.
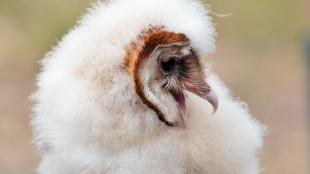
213 99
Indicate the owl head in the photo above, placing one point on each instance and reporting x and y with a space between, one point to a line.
148 52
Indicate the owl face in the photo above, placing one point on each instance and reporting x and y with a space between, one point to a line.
163 65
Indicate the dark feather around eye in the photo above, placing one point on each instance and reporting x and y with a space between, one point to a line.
168 65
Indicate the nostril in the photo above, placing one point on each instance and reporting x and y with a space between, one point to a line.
169 65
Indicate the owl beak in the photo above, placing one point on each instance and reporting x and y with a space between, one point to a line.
204 91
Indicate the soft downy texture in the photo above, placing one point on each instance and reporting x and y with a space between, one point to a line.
88 118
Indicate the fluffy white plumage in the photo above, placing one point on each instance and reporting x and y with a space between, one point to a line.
89 120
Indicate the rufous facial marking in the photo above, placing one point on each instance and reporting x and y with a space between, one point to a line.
140 50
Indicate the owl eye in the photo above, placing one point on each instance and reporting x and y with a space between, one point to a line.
169 65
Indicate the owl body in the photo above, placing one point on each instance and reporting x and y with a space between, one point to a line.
89 116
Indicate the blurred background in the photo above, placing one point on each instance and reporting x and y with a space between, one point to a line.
260 54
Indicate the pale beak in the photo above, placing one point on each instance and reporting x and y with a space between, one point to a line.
204 91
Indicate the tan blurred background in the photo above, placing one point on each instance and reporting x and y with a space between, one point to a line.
259 55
